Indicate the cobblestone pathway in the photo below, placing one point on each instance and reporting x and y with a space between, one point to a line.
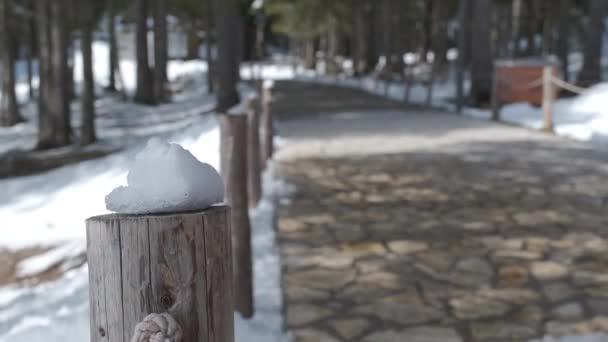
479 232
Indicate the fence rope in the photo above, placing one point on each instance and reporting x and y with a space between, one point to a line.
568 86
158 328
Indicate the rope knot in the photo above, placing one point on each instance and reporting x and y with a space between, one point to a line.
158 328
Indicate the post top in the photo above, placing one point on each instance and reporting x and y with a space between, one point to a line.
122 216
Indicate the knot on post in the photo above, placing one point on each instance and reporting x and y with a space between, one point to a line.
158 328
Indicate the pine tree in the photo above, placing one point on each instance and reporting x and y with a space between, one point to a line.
9 108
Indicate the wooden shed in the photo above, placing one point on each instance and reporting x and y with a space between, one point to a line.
520 80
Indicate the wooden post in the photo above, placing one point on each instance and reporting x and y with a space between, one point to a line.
548 98
408 83
495 98
235 178
462 44
267 129
177 263
254 172
429 90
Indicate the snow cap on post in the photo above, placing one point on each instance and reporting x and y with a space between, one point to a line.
164 178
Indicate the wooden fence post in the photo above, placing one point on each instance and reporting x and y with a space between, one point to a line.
495 97
254 172
431 81
548 98
267 129
234 128
179 263
408 83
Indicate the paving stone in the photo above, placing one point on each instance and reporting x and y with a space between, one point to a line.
401 309
312 335
476 307
419 334
496 331
334 261
517 254
599 291
478 226
436 260
297 293
585 278
301 314
510 295
548 270
598 306
556 292
530 315
350 328
513 275
405 247
568 312
361 249
539 244
383 279
321 278
373 265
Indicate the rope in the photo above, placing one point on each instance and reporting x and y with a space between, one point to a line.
158 328
565 85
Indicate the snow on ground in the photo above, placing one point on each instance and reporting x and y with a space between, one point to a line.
58 311
49 209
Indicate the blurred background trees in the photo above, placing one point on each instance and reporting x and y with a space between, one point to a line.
386 38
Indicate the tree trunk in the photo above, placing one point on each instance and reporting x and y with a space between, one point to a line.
87 128
562 39
227 66
113 57
371 51
160 50
193 43
31 48
53 103
481 54
208 45
440 32
516 27
463 9
9 111
332 45
591 71
144 92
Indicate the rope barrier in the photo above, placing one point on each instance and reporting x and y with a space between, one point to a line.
158 328
568 86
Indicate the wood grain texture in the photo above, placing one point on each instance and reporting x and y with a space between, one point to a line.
254 171
267 128
235 178
142 264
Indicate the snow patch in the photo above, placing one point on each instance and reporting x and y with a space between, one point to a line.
165 177
42 262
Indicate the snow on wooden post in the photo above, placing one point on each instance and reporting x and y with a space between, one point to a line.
267 131
178 264
548 98
254 172
235 177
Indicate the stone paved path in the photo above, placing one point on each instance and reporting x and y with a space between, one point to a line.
422 226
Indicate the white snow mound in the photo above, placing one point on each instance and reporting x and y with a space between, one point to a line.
166 178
